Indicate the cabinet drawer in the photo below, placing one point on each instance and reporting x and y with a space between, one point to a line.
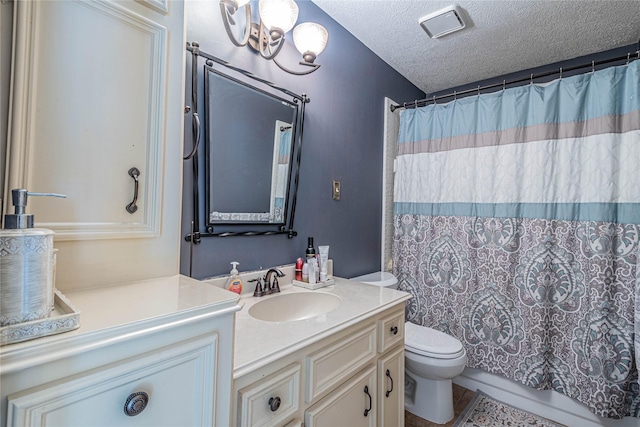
352 404
271 401
176 379
390 331
329 366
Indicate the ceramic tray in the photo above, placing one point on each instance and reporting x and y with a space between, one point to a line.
314 286
64 317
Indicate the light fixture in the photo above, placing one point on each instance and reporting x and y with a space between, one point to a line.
277 17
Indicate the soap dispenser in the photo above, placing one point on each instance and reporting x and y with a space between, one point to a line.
27 265
234 283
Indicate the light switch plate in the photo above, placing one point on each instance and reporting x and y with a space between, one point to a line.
336 190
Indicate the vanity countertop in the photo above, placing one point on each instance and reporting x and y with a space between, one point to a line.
116 311
257 342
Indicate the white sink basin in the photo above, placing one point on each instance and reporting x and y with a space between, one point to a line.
295 306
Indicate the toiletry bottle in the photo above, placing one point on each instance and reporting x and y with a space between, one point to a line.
299 263
27 265
234 283
311 252
313 269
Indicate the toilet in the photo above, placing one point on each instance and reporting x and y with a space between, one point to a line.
432 360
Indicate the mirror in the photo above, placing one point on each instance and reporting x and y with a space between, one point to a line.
250 136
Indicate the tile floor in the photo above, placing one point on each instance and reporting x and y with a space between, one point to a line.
461 397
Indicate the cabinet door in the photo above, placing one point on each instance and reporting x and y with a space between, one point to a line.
352 404
179 382
391 389
97 90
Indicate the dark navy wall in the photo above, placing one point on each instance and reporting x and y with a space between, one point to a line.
343 140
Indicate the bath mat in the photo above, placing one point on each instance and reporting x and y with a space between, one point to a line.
484 410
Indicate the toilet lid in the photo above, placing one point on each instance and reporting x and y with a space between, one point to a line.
429 342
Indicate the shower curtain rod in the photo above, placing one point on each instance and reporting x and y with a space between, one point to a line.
423 102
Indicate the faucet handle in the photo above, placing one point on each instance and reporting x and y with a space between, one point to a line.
258 292
275 288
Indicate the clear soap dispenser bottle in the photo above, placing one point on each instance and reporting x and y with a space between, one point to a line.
27 265
234 283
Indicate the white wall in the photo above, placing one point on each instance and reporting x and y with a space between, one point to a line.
6 19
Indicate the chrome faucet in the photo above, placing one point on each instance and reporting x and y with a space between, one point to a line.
269 287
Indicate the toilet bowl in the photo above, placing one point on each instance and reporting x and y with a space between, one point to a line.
432 360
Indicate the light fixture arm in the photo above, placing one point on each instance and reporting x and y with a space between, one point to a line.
276 38
228 8
312 68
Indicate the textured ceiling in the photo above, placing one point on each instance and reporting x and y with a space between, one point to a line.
501 37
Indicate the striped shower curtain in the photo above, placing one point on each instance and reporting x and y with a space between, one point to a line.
517 230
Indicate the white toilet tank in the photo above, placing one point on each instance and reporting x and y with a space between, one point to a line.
379 278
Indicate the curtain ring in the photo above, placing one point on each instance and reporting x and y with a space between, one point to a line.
455 96
531 82
504 84
434 100
404 105
628 57
416 101
478 90
593 66
560 73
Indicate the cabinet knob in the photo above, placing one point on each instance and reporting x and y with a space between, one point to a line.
136 402
394 330
274 403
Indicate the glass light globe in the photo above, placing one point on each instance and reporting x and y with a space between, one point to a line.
241 3
281 14
310 39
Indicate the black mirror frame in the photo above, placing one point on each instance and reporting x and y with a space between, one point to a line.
242 229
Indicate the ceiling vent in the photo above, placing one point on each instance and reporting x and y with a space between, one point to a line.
444 21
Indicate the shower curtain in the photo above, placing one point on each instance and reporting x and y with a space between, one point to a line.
517 230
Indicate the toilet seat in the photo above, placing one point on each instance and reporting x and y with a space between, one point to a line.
431 343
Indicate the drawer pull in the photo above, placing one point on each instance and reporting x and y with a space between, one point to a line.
136 402
366 391
388 374
394 330
132 207
274 403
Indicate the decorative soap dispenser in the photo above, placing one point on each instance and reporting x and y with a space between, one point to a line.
27 265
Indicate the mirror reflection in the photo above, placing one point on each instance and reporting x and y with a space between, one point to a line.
249 141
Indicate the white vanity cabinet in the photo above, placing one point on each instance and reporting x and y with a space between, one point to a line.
343 379
163 361
166 386
97 90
